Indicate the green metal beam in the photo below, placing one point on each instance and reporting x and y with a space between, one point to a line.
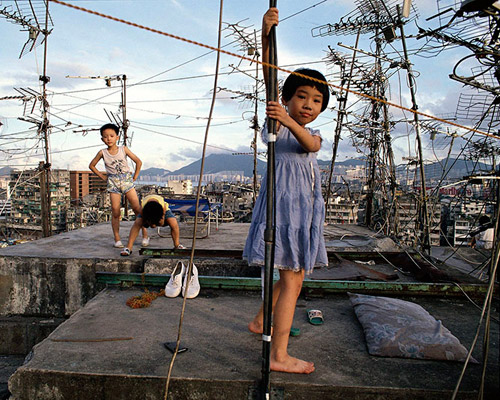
310 286
237 254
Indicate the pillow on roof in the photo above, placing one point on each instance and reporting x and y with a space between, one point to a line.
398 328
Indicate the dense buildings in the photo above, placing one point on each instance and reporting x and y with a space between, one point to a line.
26 200
79 199
83 183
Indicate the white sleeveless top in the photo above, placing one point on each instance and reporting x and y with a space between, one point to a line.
115 164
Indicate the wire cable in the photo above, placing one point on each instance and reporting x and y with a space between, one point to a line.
198 193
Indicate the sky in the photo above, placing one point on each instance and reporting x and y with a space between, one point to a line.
169 82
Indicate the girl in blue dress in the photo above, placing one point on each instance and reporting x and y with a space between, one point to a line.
300 210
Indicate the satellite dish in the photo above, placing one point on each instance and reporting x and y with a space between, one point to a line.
406 8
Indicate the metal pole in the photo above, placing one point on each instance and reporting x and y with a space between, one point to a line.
374 144
394 225
255 124
124 110
269 234
44 127
125 129
424 214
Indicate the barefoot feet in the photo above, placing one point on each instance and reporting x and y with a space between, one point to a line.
291 365
256 326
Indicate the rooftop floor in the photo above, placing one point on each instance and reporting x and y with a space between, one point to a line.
223 360
96 241
116 352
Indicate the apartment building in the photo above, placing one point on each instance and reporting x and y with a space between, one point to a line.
341 211
26 204
408 219
83 183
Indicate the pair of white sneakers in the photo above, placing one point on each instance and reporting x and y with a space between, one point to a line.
178 282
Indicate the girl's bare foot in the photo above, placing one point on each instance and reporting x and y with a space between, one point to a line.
255 327
292 365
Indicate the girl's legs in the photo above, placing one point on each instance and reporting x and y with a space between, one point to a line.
285 294
290 286
116 199
133 200
257 324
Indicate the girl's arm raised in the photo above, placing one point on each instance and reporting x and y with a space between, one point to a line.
310 143
93 164
136 160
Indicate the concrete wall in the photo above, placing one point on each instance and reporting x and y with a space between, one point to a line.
51 287
38 293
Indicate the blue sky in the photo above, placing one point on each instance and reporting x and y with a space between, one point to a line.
169 82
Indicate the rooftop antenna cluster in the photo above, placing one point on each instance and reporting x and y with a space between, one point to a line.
247 42
473 25
32 16
372 129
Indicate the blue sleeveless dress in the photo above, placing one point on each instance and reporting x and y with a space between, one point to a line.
300 209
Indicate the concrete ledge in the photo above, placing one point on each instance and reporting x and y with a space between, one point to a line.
51 287
47 386
206 266
116 352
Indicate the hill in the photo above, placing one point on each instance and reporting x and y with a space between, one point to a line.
223 162
154 172
5 171
352 162
455 168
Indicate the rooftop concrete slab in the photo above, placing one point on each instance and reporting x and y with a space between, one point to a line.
96 241
107 350
54 277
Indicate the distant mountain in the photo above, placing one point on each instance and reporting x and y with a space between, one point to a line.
154 171
223 162
458 168
352 162
5 171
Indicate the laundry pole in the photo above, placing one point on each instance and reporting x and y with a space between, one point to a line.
270 232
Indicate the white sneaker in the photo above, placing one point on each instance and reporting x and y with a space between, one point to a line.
174 284
194 284
180 246
145 241
118 244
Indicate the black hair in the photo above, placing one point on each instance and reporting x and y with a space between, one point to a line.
109 126
294 81
152 212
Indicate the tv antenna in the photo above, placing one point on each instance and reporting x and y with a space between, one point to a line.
34 16
248 43
381 18
121 121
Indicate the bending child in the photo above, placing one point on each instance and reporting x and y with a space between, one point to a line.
300 210
155 212
119 178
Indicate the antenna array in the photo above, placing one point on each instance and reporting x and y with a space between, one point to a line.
32 16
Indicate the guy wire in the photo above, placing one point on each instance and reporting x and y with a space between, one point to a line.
193 245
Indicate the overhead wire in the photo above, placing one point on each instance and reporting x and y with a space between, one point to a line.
198 194
367 96
180 138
